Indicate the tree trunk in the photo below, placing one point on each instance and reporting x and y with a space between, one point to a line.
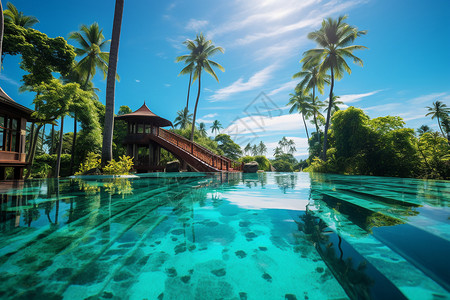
196 104
58 159
52 140
32 151
306 128
74 140
110 84
2 25
30 141
189 89
327 123
43 136
315 118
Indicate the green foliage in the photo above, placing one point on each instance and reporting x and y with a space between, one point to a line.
263 162
91 161
228 147
41 55
120 167
44 165
120 132
434 153
282 166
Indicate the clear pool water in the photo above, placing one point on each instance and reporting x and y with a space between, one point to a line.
226 236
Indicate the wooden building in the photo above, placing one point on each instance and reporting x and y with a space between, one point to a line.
141 125
13 121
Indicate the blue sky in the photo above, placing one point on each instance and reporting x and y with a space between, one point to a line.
406 67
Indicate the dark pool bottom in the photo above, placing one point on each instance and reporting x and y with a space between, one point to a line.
225 236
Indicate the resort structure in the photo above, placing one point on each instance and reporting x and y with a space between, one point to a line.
13 121
146 137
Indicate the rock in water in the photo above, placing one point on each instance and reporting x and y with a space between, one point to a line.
251 167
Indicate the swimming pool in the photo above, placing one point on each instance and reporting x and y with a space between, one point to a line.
226 236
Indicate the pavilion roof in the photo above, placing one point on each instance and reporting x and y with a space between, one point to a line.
5 99
144 114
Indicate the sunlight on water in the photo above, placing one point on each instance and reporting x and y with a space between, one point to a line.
225 236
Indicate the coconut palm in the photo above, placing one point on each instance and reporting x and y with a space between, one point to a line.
2 26
202 129
262 149
189 68
312 79
216 126
202 50
17 17
334 105
300 103
422 129
334 39
439 111
254 150
277 151
248 149
111 83
92 49
183 119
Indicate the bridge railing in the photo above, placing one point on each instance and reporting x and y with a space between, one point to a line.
202 153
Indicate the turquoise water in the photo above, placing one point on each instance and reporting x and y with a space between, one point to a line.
226 236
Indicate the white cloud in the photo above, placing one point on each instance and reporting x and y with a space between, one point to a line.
290 85
9 80
196 25
255 81
356 97
207 118
137 80
210 116
167 85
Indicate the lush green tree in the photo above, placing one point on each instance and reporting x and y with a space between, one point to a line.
334 39
301 104
439 111
434 152
111 83
203 50
229 148
183 119
216 126
18 18
263 162
282 166
189 60
334 105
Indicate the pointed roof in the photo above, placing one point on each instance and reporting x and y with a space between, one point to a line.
4 98
144 114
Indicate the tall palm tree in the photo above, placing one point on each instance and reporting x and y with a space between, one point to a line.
334 39
93 48
2 25
262 149
111 84
300 103
190 64
203 49
422 129
17 17
216 126
202 129
248 149
312 79
183 119
439 111
334 105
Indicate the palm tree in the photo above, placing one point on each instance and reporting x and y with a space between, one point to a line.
17 17
277 151
216 126
2 23
333 38
202 129
290 147
439 111
111 83
248 149
262 149
92 47
334 106
183 119
189 68
254 150
202 50
422 129
300 103
312 79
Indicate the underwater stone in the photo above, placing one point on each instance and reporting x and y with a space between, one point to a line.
240 254
192 247
171 272
180 248
61 274
219 272
191 271
107 295
177 231
290 297
157 242
242 296
244 223
161 296
212 224
186 278
319 269
174 239
267 277
250 235
263 248
122 276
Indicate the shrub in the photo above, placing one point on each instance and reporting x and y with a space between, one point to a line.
121 167
92 161
264 163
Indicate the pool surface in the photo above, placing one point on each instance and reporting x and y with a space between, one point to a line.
225 236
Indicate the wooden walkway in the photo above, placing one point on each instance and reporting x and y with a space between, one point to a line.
198 157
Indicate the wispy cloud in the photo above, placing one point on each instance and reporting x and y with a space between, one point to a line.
196 25
167 85
9 80
255 81
137 80
351 98
290 85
